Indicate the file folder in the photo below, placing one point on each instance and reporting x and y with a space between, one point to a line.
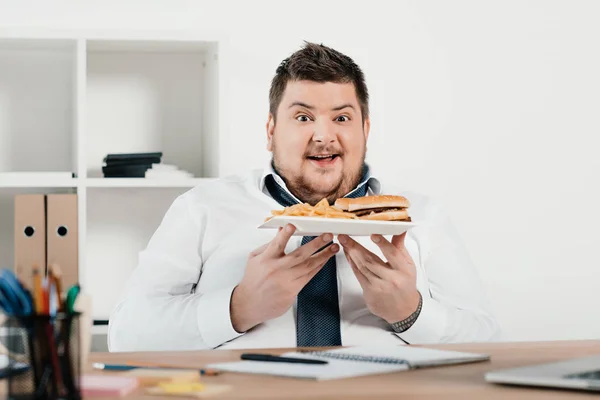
62 234
30 236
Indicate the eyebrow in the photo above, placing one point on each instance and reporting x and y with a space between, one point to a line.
299 103
338 108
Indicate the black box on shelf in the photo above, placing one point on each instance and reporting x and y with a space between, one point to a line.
129 165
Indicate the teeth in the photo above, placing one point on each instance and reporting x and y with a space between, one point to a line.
322 156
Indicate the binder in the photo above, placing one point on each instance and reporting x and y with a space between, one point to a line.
30 236
62 234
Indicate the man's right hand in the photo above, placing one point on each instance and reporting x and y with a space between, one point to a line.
273 279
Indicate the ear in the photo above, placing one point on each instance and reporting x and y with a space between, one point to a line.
367 127
270 131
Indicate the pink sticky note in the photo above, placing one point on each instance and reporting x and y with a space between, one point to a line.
107 385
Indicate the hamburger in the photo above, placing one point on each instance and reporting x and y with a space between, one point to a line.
376 207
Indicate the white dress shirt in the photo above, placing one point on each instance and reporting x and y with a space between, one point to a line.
178 297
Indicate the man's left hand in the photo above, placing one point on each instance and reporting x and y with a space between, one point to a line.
389 288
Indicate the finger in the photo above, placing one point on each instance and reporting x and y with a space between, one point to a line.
375 266
368 263
398 241
315 262
362 279
306 277
367 273
393 254
304 252
258 250
276 247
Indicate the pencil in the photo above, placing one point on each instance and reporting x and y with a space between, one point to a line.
37 291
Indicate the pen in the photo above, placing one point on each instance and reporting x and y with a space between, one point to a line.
129 367
114 367
55 274
71 297
268 357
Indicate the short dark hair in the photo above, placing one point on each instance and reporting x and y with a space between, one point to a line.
318 63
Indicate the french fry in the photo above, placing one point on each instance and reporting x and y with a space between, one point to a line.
322 209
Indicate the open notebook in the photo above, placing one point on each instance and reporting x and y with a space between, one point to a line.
354 361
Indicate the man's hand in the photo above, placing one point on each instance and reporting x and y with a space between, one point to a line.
389 289
273 279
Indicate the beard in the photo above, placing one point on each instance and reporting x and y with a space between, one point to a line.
308 191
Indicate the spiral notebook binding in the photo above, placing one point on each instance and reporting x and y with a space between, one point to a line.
357 357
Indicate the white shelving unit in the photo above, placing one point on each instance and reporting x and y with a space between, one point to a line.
69 98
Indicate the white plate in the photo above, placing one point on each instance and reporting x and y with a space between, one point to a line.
314 226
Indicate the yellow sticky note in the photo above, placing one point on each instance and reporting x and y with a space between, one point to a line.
188 390
152 377
181 387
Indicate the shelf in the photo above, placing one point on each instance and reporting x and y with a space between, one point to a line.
151 46
37 106
140 182
119 225
152 96
102 183
70 97
37 183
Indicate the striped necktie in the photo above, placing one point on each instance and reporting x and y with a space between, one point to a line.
318 313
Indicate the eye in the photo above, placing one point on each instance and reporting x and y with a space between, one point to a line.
342 118
303 118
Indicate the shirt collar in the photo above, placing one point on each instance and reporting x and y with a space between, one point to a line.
371 180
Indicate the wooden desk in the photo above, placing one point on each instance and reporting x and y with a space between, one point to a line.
461 381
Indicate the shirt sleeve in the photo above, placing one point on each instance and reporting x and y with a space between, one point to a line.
456 308
160 309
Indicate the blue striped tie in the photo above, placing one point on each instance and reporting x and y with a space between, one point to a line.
318 313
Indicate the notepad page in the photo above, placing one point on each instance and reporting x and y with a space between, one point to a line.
335 369
415 356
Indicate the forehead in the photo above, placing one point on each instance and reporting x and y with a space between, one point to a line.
324 95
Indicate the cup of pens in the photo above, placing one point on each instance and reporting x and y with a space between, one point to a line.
44 358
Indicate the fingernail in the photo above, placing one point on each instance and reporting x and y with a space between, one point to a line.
375 238
327 237
335 248
289 228
343 239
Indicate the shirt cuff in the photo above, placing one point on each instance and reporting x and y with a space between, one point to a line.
214 318
429 326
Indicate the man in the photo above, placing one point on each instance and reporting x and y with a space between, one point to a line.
210 279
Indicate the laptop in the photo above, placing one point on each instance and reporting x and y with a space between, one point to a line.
579 373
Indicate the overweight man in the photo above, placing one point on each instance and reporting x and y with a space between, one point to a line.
210 279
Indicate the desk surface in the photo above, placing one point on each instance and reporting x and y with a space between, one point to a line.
464 381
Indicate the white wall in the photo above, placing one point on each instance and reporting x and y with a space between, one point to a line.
492 106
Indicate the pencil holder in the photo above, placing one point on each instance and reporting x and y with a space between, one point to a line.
48 367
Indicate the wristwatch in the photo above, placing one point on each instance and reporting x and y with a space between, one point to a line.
406 323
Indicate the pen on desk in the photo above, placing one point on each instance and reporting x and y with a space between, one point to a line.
203 371
114 367
130 366
272 358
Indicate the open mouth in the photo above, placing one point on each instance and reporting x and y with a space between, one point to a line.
324 157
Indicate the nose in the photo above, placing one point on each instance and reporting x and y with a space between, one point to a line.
325 132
